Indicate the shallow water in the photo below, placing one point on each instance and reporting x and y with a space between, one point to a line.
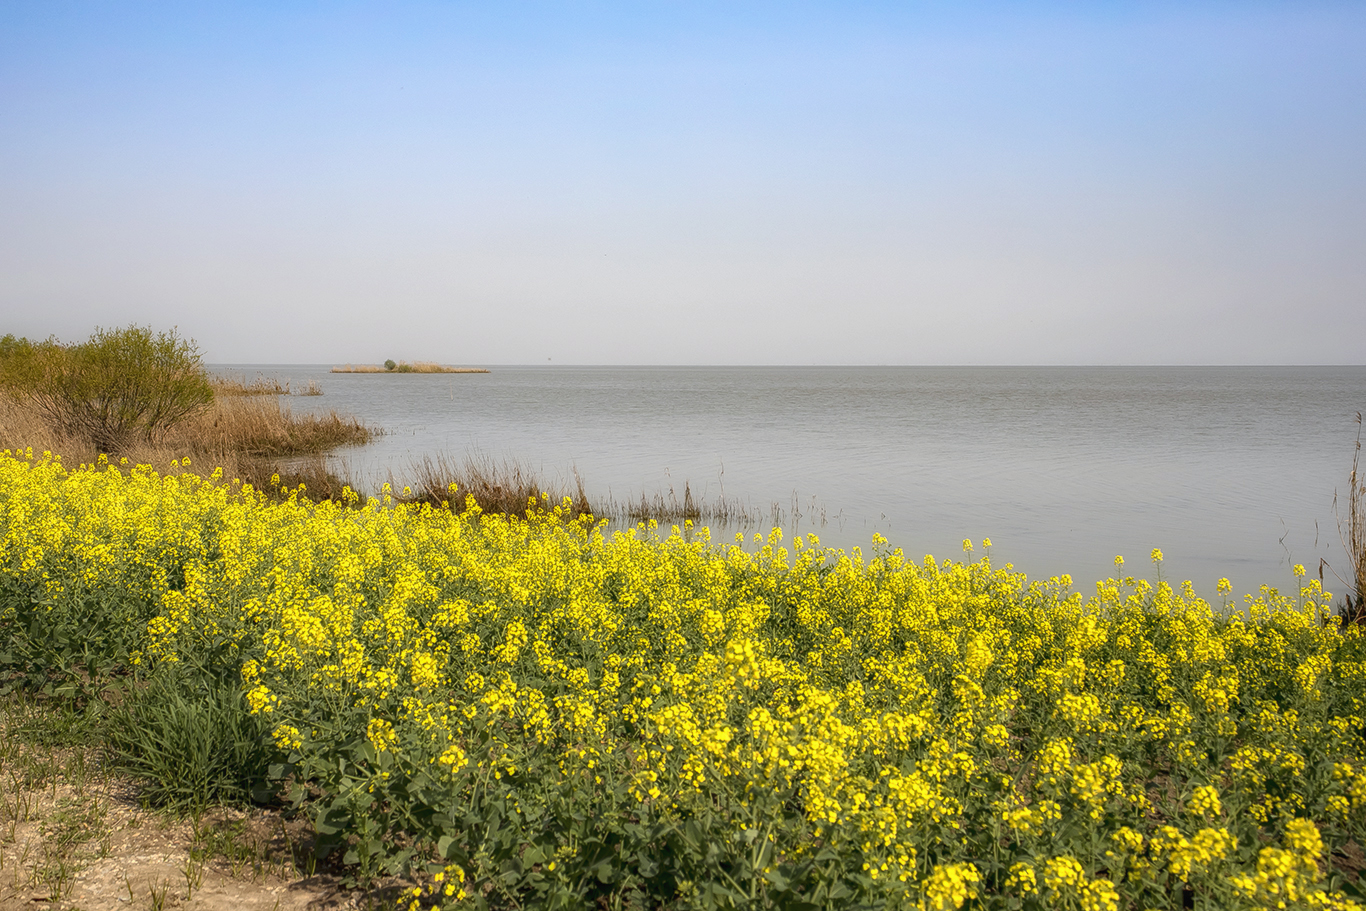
1231 471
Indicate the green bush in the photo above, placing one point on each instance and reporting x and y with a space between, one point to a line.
389 364
119 386
71 652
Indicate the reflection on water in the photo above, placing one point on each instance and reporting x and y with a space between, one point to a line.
1230 470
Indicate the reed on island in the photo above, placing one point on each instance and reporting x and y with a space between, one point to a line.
405 367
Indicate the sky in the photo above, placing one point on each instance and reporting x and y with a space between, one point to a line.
690 183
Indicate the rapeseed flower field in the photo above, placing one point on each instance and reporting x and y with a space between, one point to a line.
542 713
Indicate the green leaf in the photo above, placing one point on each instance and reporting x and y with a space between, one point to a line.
839 891
779 881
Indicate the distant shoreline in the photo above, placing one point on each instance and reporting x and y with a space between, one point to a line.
419 367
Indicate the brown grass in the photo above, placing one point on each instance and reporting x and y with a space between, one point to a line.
671 509
251 438
506 487
313 473
262 428
510 487
230 386
405 367
225 386
1354 534
258 440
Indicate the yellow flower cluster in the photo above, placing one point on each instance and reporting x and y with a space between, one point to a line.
928 732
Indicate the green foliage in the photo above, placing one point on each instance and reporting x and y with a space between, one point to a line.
12 347
389 364
68 652
530 834
191 742
119 386
46 723
523 713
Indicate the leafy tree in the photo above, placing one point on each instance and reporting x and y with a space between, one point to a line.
12 347
119 386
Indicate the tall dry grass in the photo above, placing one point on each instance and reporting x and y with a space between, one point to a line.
503 486
320 478
227 385
1353 533
254 439
510 487
259 427
667 508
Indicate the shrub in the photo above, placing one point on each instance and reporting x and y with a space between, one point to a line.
191 743
389 364
121 385
12 347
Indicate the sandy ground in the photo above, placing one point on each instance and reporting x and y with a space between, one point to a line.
74 840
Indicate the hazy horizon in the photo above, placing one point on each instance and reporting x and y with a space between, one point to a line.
853 184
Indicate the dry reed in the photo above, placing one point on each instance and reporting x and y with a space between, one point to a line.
1354 535
505 487
232 386
510 487
252 439
671 510
313 474
259 428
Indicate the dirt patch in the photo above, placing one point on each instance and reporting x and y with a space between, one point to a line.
73 837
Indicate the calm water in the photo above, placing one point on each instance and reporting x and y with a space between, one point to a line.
1230 470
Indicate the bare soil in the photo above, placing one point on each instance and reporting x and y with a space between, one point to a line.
73 838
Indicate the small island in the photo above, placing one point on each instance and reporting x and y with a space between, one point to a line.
405 367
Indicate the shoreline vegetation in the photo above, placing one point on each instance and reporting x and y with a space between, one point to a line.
1353 537
405 367
511 487
107 397
256 439
502 702
244 428
239 385
451 702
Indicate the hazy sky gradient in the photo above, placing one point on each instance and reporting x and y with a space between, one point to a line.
1022 183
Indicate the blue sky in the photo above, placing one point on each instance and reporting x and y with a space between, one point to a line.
1025 183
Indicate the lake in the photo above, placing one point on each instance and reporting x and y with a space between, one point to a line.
1231 471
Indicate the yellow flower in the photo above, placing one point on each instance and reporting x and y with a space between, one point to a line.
1022 879
381 734
1205 802
949 886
